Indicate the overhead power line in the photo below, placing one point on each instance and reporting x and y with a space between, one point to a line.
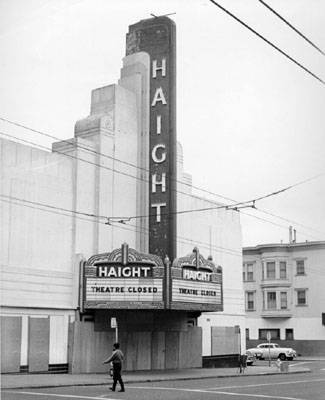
129 227
126 162
85 147
291 26
123 219
268 42
133 228
292 222
76 145
277 224
146 180
96 164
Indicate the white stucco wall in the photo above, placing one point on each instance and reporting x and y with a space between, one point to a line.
216 232
33 271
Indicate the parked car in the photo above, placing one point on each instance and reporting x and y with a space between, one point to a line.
273 350
255 352
250 358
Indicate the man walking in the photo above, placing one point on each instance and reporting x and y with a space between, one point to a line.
116 358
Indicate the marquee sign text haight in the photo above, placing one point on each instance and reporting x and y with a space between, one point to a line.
196 284
123 278
157 37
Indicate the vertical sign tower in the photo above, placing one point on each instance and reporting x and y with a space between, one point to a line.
157 37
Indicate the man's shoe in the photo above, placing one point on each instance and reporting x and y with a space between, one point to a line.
122 390
113 390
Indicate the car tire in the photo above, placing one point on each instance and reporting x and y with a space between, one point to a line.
282 357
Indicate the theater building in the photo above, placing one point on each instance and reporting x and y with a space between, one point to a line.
100 242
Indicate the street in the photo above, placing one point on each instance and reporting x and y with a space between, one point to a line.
303 386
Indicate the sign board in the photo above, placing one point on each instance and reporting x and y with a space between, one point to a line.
123 278
126 279
268 336
113 322
157 37
196 284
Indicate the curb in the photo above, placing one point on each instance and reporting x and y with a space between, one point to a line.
126 381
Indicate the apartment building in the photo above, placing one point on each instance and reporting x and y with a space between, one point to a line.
284 295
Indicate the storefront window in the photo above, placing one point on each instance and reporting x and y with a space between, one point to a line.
275 334
289 334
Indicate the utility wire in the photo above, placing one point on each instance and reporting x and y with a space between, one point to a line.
268 42
36 203
139 178
85 147
291 186
120 220
147 170
183 240
291 26
277 224
291 221
206 200
129 227
130 164
92 163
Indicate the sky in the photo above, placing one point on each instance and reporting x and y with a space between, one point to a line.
251 122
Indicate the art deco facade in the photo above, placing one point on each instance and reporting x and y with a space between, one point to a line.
65 208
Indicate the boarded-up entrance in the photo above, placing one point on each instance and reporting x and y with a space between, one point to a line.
10 344
38 349
143 349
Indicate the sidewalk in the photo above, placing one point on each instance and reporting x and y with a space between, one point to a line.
19 381
310 358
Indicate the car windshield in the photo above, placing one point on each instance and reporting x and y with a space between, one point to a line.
276 345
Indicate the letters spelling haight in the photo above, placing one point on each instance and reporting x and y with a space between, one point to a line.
196 275
105 271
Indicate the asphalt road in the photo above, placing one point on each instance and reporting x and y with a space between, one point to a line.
306 386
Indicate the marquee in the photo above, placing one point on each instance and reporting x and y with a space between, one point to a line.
124 278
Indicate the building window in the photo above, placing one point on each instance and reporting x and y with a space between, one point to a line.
284 302
283 270
250 301
247 333
300 267
248 272
289 334
271 300
270 270
301 297
275 334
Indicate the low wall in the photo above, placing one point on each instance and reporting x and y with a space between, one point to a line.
224 361
302 347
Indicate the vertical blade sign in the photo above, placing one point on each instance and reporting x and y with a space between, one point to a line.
157 37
